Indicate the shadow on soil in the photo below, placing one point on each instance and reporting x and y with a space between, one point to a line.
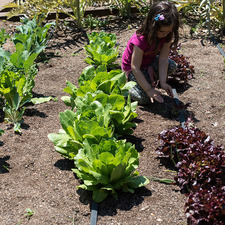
4 166
34 112
64 164
168 109
110 205
135 141
73 37
125 201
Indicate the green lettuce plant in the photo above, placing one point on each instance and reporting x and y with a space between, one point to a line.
108 88
121 112
98 54
77 128
16 88
98 79
101 49
108 167
109 38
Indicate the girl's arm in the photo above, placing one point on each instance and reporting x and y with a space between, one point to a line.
136 61
163 68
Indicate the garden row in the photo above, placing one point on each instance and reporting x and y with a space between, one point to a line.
101 113
18 68
200 172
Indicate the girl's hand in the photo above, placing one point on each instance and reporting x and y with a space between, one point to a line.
155 95
168 89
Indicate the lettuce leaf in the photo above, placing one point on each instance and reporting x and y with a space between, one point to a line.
107 167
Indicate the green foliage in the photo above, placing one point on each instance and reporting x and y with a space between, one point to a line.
99 54
3 36
16 89
103 112
124 6
77 128
93 79
108 38
107 167
101 49
209 11
72 8
78 8
31 8
18 70
121 112
1 132
41 100
29 213
98 79
92 22
32 35
109 89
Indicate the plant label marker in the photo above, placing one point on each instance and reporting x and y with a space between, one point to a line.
94 212
177 101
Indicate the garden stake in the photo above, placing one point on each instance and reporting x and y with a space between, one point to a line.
181 113
94 212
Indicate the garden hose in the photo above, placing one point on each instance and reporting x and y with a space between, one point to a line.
217 45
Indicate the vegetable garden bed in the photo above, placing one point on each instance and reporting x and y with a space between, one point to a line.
34 176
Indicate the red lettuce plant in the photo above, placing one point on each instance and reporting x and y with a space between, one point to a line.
206 206
184 70
201 172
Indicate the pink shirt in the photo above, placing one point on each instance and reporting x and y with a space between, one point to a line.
149 53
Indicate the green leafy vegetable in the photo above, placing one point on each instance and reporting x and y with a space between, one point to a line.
75 130
16 89
41 100
101 50
107 167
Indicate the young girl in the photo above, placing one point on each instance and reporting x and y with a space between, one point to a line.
146 55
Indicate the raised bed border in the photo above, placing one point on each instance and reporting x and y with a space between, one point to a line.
95 11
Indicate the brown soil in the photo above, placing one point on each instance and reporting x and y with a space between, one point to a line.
34 176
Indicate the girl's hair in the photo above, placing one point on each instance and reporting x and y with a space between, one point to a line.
152 24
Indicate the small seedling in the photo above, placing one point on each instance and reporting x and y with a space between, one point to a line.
27 215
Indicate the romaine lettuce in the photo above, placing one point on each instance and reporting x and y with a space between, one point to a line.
107 167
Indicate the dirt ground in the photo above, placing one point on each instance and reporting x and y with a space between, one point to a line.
33 175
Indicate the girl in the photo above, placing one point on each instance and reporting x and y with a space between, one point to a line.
146 55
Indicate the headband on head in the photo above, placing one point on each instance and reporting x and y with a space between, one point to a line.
159 17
